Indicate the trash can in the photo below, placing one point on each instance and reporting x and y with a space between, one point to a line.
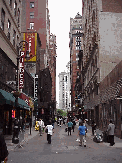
105 136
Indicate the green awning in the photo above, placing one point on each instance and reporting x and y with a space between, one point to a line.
6 98
22 104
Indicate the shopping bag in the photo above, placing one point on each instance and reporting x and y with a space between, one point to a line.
46 130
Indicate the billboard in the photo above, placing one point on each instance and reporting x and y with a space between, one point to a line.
31 38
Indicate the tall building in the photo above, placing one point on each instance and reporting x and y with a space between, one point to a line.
35 15
102 54
76 44
52 67
64 90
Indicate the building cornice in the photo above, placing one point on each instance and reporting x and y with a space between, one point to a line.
5 37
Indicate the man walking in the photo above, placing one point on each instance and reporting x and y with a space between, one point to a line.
74 123
49 134
60 119
81 133
41 125
111 128
70 124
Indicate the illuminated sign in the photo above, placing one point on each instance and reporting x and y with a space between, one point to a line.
31 38
13 113
21 68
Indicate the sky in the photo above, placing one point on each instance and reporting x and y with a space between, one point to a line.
60 12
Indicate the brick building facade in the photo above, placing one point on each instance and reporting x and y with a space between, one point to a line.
101 55
76 43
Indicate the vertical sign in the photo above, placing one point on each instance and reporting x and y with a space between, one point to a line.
31 38
21 68
36 86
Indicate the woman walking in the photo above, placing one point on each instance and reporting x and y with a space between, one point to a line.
49 134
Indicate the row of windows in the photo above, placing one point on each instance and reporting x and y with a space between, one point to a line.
9 32
78 47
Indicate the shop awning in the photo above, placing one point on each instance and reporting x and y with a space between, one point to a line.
22 104
6 98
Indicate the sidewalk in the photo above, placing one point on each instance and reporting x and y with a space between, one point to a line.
22 136
118 141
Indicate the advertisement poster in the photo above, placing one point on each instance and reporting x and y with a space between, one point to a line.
31 38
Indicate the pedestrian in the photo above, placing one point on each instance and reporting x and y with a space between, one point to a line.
64 121
81 133
41 125
74 123
53 121
3 149
49 134
80 120
60 120
93 127
84 124
111 128
70 124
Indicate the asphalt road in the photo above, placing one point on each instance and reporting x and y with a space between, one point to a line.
64 149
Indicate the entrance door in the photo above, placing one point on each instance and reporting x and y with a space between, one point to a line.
97 115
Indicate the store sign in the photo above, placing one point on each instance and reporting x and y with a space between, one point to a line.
21 68
36 86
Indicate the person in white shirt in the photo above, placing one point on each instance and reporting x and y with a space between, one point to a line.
41 125
50 132
60 119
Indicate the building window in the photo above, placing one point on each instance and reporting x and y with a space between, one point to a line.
18 19
9 27
2 19
14 36
15 8
10 3
17 46
31 4
31 14
31 25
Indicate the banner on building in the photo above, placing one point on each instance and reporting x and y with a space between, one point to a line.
31 38
21 70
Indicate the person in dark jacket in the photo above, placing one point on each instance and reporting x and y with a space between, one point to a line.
74 123
3 149
93 127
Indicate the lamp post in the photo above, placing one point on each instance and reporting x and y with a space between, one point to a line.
17 93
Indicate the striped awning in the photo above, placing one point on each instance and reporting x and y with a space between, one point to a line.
107 94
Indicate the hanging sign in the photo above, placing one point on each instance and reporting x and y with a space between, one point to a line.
21 68
36 86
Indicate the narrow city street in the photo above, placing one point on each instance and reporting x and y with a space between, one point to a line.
65 149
